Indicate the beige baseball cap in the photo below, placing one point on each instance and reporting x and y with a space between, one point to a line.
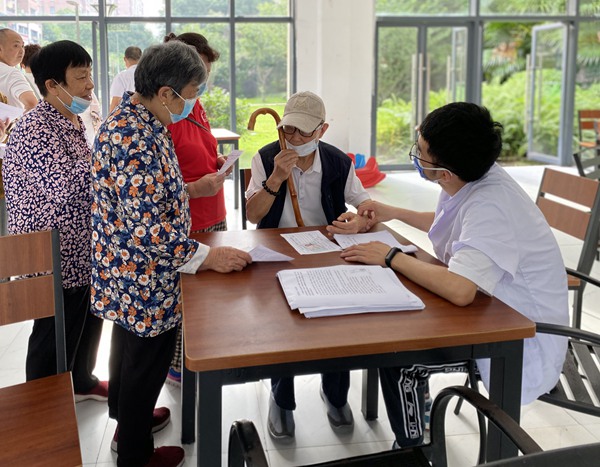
304 110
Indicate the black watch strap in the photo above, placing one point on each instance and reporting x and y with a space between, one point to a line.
390 256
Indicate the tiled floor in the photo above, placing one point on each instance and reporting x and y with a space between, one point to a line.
550 426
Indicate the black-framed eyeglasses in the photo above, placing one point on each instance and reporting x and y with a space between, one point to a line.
414 154
290 130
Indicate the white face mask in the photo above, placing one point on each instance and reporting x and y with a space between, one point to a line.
306 148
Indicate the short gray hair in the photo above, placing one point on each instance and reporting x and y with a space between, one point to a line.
172 64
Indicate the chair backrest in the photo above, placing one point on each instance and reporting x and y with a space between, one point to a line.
24 293
245 176
587 162
589 126
571 204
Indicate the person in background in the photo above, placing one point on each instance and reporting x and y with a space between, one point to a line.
196 150
29 51
490 236
325 181
124 81
140 244
46 175
13 83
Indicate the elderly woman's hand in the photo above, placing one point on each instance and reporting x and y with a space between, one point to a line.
226 259
209 185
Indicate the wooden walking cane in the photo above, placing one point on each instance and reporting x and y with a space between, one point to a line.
282 145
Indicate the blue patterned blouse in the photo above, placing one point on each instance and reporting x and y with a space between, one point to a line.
140 223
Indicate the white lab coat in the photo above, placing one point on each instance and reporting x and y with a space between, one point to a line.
495 217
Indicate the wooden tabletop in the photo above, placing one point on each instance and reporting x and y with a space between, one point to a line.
222 134
242 318
39 426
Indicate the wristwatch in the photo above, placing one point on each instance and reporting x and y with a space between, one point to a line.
390 256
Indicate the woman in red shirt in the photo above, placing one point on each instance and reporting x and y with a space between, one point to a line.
196 150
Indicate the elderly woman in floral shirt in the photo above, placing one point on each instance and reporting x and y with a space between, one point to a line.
140 243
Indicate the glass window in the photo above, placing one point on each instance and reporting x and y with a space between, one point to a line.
419 7
194 8
521 7
261 8
262 62
147 8
589 7
123 35
216 100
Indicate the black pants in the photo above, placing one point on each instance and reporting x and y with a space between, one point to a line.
335 386
82 336
138 367
404 392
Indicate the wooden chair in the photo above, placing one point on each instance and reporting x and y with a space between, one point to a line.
571 204
39 425
245 176
245 447
589 128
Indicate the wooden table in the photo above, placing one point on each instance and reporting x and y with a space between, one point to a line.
223 137
238 328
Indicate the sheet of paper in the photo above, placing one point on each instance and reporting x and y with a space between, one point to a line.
384 236
310 243
231 158
9 111
261 253
346 289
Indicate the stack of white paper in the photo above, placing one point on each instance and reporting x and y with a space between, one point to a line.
341 290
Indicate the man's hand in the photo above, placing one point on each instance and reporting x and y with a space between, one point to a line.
284 163
349 223
367 253
209 185
225 259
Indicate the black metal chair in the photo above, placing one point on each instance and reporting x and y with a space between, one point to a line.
579 385
587 162
246 449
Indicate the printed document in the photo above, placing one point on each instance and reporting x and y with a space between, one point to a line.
310 243
261 253
9 111
231 158
340 290
383 236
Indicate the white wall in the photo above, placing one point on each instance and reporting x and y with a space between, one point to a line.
334 49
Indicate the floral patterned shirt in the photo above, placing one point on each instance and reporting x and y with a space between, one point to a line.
140 223
46 174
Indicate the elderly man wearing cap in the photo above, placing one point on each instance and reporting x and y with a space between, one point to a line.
325 181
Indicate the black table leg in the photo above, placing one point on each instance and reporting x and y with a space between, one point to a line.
370 393
505 391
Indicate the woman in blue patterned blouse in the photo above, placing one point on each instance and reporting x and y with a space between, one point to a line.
140 243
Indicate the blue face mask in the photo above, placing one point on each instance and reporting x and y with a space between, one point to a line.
187 108
421 170
78 104
304 149
201 89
